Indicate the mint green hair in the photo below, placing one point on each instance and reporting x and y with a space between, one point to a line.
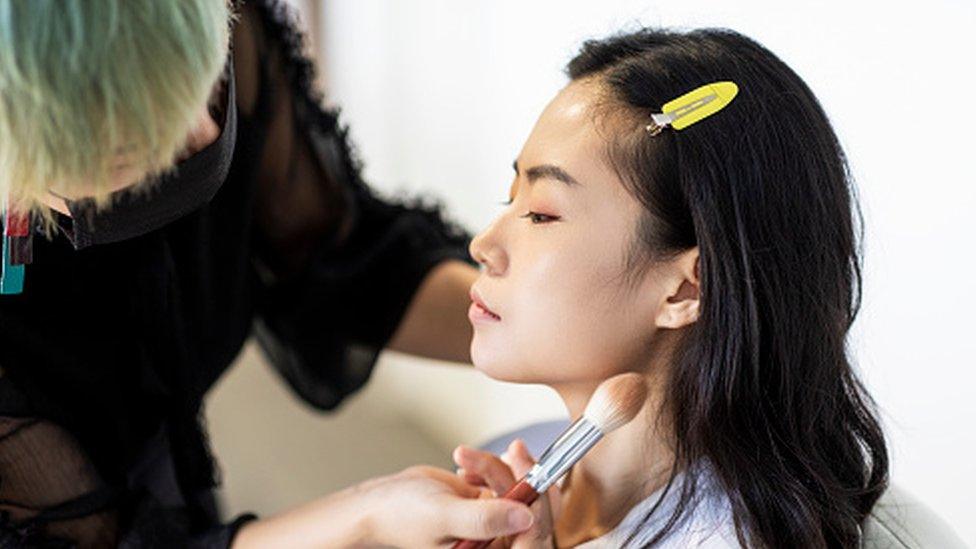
81 80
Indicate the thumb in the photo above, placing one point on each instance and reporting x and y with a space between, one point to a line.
486 518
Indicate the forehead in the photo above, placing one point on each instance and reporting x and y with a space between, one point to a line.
567 135
567 121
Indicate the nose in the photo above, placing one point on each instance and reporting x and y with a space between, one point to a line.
488 252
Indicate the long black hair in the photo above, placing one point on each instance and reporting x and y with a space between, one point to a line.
762 389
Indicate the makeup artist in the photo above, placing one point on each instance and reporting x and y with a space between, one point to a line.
130 287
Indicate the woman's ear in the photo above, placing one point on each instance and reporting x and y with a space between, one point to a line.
682 296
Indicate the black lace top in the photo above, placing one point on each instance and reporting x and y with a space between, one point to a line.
106 356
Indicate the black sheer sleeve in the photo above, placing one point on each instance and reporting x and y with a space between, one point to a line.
51 495
338 265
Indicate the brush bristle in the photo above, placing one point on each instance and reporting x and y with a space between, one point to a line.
616 401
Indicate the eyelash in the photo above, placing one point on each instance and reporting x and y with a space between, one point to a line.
540 218
536 217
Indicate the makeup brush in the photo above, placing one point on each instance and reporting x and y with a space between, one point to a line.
615 402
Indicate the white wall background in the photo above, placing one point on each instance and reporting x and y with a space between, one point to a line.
440 95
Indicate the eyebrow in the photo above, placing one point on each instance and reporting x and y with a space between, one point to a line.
546 171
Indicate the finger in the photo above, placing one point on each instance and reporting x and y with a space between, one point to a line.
485 518
555 498
470 477
544 509
506 458
541 532
456 484
518 449
477 480
496 474
456 455
520 460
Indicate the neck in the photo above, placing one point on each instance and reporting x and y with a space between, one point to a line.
625 467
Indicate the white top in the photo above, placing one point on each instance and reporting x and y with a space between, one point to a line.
708 525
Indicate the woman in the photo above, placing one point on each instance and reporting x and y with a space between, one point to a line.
719 260
151 278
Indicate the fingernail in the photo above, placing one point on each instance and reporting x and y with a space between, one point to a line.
519 519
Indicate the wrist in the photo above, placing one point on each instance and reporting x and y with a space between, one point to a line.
337 520
368 517
356 518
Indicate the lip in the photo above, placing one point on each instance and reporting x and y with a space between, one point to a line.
480 312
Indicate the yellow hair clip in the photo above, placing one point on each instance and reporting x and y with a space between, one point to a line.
693 106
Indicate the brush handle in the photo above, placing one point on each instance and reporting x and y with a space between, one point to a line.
523 492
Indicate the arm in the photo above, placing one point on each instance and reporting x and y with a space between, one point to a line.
342 272
51 495
419 507
330 522
436 323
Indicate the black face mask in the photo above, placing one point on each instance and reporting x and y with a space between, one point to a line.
186 188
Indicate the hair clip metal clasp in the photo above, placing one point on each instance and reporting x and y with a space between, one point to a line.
693 106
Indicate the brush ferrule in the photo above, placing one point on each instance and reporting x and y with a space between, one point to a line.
568 449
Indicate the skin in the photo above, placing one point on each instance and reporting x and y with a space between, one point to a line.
419 507
569 312
435 325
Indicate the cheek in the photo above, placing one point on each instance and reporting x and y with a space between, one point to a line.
533 298
569 317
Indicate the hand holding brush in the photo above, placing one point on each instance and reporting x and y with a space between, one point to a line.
614 403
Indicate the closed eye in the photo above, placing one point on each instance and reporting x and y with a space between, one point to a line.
538 218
